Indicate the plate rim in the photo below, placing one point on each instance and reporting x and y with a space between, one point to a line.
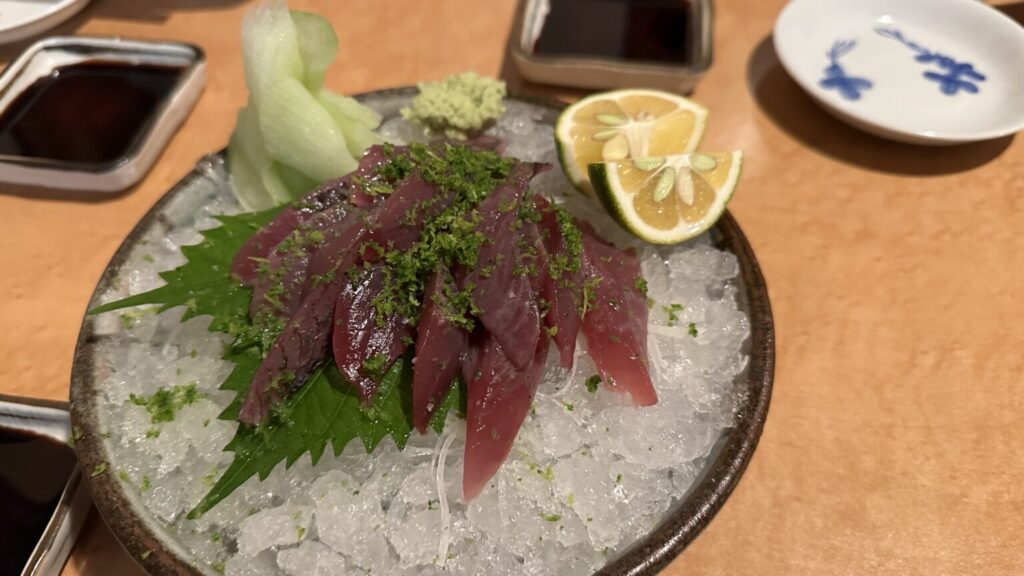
646 556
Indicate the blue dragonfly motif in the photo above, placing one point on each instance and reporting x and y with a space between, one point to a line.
849 87
952 76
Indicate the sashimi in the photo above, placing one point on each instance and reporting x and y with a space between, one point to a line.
614 314
397 222
499 399
564 281
440 347
303 342
504 299
300 347
366 344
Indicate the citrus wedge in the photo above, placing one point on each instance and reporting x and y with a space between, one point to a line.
623 124
667 199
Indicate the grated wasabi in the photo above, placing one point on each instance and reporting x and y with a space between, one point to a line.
458 105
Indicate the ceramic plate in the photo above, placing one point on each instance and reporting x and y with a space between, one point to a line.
158 550
918 71
21 19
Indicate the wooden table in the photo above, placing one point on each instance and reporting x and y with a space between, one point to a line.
894 443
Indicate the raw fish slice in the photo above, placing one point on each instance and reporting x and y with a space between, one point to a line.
507 307
303 343
375 156
615 323
257 249
440 347
562 293
499 400
364 349
299 348
279 284
485 142
319 209
397 222
278 293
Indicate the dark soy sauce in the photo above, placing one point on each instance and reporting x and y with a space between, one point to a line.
655 31
33 472
88 113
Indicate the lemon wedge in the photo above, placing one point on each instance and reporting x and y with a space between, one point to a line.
667 199
624 124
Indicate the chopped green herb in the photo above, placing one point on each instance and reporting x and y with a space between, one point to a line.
569 407
218 567
146 554
448 238
673 311
145 484
153 433
300 532
99 469
147 258
692 329
566 264
618 478
551 517
547 474
589 294
593 383
641 285
376 366
124 477
571 499
552 331
165 403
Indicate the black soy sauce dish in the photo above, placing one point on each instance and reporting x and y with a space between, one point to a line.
607 44
43 501
93 114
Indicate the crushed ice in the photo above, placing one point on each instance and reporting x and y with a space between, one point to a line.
588 475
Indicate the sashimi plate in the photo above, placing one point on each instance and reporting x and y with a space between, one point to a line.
615 489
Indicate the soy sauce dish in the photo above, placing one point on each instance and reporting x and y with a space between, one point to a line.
42 497
93 113
394 334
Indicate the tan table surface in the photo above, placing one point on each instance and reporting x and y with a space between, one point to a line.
894 440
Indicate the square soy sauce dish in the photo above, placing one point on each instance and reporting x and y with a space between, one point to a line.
603 44
43 501
93 114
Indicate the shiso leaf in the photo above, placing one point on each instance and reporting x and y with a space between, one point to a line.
203 284
324 411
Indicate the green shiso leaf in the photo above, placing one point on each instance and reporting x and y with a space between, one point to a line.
204 284
325 410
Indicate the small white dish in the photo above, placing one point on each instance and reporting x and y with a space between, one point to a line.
917 71
21 19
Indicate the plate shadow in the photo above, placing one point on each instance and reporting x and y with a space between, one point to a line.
794 111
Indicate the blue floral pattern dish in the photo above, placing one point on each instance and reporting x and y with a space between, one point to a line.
849 87
931 72
955 76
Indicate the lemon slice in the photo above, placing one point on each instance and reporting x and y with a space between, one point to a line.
668 199
623 124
